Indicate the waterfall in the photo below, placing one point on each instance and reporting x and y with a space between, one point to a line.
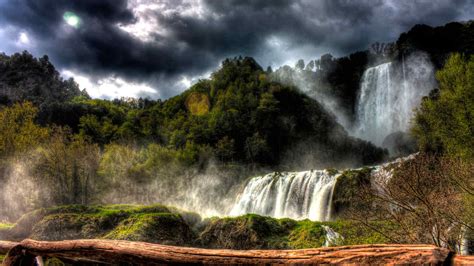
333 238
297 195
378 113
387 97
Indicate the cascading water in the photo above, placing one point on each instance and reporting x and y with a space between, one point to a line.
387 97
296 195
300 195
333 238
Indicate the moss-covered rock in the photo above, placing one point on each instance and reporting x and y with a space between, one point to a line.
355 233
5 230
346 189
154 223
306 234
24 226
163 228
75 226
257 232
244 232
164 225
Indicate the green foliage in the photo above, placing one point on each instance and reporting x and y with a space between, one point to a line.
356 233
67 165
161 224
160 227
256 232
5 226
445 121
18 131
438 42
25 78
153 223
306 234
54 262
238 115
348 184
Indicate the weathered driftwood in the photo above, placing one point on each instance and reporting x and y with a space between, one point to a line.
5 246
115 252
463 260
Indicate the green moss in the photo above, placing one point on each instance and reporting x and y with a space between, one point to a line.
307 234
165 228
54 262
74 226
355 233
159 224
105 210
249 231
193 219
153 223
332 171
347 186
257 232
5 230
5 226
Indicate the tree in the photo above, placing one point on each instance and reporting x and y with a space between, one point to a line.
66 169
300 64
445 121
427 199
18 131
225 148
326 61
25 78
257 149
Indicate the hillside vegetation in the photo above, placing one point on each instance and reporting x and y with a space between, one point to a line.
91 151
166 225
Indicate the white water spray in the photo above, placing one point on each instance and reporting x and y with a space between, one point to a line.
387 97
333 238
297 195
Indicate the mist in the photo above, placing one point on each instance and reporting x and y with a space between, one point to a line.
388 95
62 173
208 188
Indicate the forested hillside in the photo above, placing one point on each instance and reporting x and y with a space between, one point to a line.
84 150
239 115
340 77
25 78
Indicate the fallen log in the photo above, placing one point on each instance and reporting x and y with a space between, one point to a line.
119 252
5 246
463 260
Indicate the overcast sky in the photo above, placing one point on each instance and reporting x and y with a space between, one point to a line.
149 48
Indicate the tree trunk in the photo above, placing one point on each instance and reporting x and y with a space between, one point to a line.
139 253
5 246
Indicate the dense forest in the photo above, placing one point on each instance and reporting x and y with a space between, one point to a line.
80 146
239 115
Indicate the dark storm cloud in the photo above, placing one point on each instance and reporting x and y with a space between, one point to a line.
191 45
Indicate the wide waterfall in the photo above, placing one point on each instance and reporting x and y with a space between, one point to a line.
388 94
296 195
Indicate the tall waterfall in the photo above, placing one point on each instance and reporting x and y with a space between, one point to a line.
388 94
296 195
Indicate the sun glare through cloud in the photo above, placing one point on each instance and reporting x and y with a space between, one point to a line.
72 19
